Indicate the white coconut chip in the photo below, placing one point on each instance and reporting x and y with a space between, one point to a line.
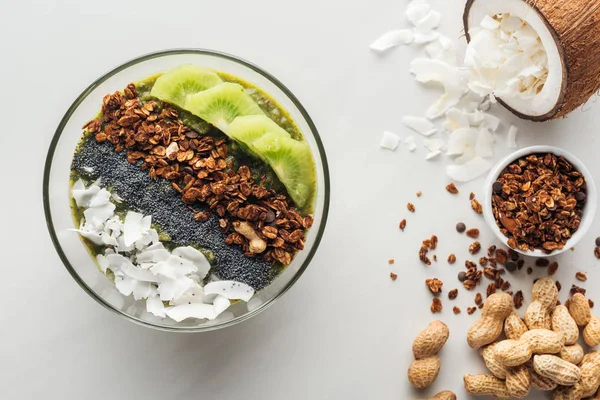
195 257
392 39
422 38
456 119
102 262
173 268
489 23
137 273
416 11
433 144
432 154
220 304
155 306
132 228
512 137
100 199
491 121
468 171
194 310
153 254
429 22
195 294
83 196
389 140
485 144
451 78
230 289
410 142
461 140
97 216
170 289
443 49
420 125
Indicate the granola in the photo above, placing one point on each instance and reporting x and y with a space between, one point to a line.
540 203
199 167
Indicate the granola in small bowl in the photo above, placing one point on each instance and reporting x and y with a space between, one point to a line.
540 200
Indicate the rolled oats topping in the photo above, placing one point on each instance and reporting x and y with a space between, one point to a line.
541 202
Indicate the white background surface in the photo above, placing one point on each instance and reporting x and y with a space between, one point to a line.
345 330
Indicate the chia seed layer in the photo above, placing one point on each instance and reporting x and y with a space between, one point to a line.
159 199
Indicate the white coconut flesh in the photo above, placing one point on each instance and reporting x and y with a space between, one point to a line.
513 55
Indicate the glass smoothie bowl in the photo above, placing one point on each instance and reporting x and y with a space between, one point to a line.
186 190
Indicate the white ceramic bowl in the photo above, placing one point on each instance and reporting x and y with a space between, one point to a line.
589 210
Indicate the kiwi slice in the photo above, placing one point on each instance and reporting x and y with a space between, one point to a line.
221 104
292 162
250 128
175 85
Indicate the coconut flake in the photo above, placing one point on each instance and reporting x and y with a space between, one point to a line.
195 257
230 289
468 171
173 268
389 140
410 141
82 195
456 119
416 11
155 306
433 154
433 144
221 304
170 289
429 22
489 23
195 294
420 125
98 215
491 121
451 78
100 199
462 140
512 137
422 38
194 310
132 229
485 144
102 262
443 49
135 272
392 39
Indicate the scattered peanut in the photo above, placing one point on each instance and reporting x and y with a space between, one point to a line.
518 382
512 353
257 245
591 332
541 382
545 296
424 370
589 382
562 322
514 326
495 367
486 385
430 340
579 307
573 354
560 371
445 395
489 327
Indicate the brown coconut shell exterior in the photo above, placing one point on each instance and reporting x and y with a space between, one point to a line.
575 26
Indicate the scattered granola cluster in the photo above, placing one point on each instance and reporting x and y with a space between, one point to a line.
492 267
258 219
538 201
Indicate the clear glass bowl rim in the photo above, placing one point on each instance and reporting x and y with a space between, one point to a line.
146 57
